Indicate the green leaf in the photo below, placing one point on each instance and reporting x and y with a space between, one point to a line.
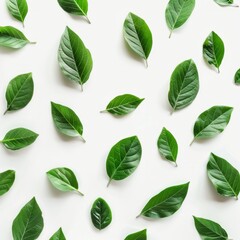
63 179
19 138
212 122
123 104
75 7
225 3
142 235
237 77
209 230
101 214
138 35
7 179
66 121
74 58
123 159
28 224
19 92
184 85
18 9
167 146
59 235
12 38
178 12
224 177
213 50
166 203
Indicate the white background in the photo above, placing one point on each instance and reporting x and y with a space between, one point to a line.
116 71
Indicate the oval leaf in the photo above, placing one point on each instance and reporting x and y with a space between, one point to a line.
212 122
184 85
19 138
123 104
59 235
224 177
29 222
7 179
138 35
142 235
19 92
123 158
63 179
225 3
166 203
237 77
74 58
213 50
167 145
209 230
178 12
101 214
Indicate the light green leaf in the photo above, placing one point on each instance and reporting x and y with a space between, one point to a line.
225 3
142 235
7 179
59 235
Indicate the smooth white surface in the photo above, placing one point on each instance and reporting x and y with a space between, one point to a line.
116 71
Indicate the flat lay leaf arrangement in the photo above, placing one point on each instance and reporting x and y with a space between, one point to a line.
76 64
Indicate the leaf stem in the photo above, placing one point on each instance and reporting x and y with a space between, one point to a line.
33 42
172 111
82 138
109 182
234 5
138 216
104 111
88 20
5 111
218 70
170 35
192 142
146 63
80 193
176 165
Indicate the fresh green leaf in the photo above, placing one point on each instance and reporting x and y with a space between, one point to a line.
28 224
12 38
178 12
225 3
237 77
138 35
184 85
123 159
59 235
123 104
66 121
74 58
167 145
209 230
101 214
63 179
213 50
19 138
19 92
212 122
142 235
18 9
7 179
75 7
166 203
224 177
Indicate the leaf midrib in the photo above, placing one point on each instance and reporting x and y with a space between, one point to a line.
136 101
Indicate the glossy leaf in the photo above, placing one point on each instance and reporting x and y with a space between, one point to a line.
178 12
66 121
224 177
124 158
19 138
7 179
138 35
166 203
167 145
213 50
225 3
19 92
123 104
184 85
212 122
18 9
142 235
237 77
59 235
63 179
74 58
101 214
209 230
28 224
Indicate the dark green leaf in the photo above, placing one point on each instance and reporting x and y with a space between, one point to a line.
101 214
142 235
123 158
19 92
237 77
224 177
166 203
74 58
28 224
138 35
7 179
19 138
225 3
59 235
184 85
